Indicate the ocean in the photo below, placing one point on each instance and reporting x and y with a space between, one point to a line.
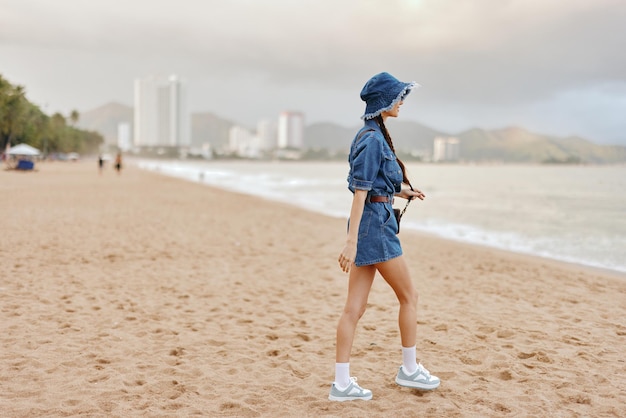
564 212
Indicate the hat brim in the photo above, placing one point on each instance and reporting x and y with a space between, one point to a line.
400 97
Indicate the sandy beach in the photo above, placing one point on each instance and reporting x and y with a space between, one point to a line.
143 295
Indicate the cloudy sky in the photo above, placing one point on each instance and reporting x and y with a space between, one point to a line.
551 66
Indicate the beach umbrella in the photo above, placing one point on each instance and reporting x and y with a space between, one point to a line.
24 149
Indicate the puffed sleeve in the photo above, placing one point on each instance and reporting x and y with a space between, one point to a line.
366 162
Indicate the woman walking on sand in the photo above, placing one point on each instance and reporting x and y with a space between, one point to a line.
375 177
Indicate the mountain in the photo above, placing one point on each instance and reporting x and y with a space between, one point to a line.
407 136
105 119
512 144
515 144
411 136
207 127
328 136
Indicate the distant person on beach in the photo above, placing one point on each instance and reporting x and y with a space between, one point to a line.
118 162
100 163
376 175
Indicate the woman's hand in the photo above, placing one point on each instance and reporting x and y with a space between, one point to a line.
411 194
347 256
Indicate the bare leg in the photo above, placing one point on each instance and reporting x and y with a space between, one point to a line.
396 274
359 285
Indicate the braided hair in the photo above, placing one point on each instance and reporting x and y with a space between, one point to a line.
381 123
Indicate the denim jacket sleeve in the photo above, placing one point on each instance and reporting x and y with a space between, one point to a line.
373 165
366 158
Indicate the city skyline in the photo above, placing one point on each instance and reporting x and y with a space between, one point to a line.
550 67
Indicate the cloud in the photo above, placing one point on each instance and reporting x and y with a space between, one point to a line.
482 53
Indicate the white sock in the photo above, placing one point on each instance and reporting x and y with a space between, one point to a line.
342 375
409 361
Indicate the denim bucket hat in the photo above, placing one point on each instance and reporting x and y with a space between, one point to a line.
382 92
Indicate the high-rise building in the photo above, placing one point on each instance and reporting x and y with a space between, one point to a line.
239 139
446 149
266 132
244 144
123 136
291 130
161 114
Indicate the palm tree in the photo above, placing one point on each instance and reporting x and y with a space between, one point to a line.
13 106
74 117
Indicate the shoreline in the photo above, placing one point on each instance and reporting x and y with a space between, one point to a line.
408 229
617 274
143 294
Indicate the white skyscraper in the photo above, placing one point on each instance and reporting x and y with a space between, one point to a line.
291 130
161 114
239 140
123 136
266 132
445 149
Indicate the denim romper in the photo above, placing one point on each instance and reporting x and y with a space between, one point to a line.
373 167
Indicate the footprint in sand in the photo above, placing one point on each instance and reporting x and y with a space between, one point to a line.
506 333
486 330
304 337
505 375
539 356
470 361
177 352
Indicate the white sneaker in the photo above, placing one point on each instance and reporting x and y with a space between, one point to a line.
421 379
351 393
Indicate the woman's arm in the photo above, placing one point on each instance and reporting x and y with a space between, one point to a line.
410 194
347 256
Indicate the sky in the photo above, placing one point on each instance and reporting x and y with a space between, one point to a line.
554 67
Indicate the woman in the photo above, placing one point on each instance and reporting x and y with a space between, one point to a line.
375 177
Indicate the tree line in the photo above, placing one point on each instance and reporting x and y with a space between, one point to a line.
24 122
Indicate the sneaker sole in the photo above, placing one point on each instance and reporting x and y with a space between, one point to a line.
417 385
351 398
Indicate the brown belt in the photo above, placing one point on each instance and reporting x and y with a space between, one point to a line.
379 199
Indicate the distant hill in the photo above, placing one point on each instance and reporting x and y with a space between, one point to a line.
407 136
412 136
104 119
207 127
519 145
501 145
511 144
328 136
